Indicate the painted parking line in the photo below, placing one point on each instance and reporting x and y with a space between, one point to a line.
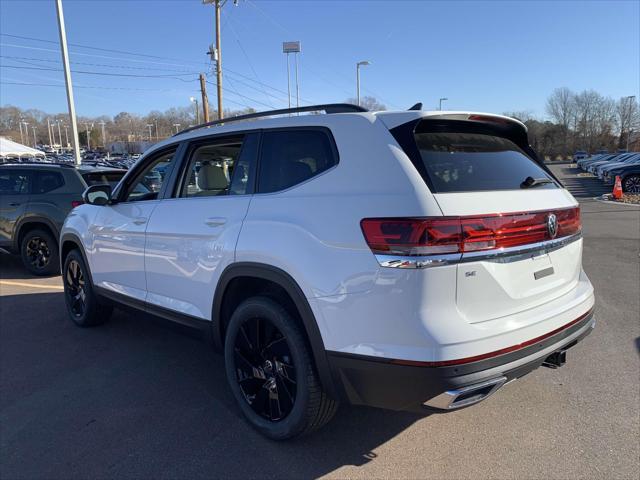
30 285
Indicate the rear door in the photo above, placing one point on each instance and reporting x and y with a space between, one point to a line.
15 187
486 173
192 234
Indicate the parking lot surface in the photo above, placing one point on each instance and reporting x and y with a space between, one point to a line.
137 398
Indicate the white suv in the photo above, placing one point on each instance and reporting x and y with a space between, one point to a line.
394 259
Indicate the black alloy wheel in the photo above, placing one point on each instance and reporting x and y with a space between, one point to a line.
75 291
38 253
271 372
631 184
264 369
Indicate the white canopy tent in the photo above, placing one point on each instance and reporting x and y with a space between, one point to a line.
11 149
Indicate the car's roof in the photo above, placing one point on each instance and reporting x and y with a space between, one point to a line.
81 168
390 118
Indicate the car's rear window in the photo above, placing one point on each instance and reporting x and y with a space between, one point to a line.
101 178
469 161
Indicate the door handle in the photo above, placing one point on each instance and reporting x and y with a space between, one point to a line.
140 221
215 221
14 204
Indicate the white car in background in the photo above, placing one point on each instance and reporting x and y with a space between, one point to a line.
404 260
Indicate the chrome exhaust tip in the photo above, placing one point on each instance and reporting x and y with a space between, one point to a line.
465 396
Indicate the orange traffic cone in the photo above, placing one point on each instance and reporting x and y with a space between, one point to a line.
617 188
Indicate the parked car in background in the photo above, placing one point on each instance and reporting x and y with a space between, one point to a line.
579 155
629 177
591 168
629 160
403 260
34 201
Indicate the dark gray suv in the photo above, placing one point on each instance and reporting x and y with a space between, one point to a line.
34 201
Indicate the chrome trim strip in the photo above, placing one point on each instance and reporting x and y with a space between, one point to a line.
399 261
525 250
510 254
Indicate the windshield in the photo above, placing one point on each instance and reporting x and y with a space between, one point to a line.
101 178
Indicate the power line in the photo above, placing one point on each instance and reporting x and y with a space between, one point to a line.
129 67
105 74
92 86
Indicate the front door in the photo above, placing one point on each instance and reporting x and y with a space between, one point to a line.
118 231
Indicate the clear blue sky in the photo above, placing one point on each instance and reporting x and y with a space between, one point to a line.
486 56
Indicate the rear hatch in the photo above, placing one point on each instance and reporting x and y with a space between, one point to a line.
518 225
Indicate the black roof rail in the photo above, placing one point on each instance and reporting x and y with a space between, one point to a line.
327 108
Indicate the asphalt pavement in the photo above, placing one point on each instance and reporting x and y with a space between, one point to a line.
139 398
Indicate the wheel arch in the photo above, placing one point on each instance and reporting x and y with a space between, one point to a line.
31 223
268 273
68 242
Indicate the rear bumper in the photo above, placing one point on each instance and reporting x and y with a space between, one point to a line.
401 385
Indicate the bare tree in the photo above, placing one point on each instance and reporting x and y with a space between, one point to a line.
628 117
370 103
561 106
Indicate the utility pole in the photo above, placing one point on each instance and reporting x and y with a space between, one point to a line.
68 83
219 62
104 138
149 125
49 131
66 134
21 134
86 126
195 101
631 98
59 134
155 121
205 99
216 53
34 137
358 65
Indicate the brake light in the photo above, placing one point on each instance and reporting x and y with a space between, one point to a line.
76 203
444 235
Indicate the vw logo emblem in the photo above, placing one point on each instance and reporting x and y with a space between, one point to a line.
552 225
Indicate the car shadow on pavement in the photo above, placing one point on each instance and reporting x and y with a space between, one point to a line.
11 267
138 398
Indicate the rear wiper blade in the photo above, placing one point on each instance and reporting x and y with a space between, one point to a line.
534 182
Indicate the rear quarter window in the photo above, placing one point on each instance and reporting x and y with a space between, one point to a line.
289 157
469 161
46 182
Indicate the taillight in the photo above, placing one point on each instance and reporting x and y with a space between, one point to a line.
444 235
76 203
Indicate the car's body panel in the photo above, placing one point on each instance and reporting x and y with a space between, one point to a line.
171 252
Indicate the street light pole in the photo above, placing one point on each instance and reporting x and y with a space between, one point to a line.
440 102
631 98
59 133
364 62
195 101
149 125
68 83
21 134
35 141
104 138
49 131
177 125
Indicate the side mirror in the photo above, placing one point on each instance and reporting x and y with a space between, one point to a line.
97 195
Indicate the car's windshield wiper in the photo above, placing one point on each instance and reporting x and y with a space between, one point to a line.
530 182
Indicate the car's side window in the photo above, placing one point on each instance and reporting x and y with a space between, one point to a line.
148 183
14 182
220 167
289 157
46 182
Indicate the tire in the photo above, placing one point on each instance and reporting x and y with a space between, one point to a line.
82 303
631 184
281 397
39 252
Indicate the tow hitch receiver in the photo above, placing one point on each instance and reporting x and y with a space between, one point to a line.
556 359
